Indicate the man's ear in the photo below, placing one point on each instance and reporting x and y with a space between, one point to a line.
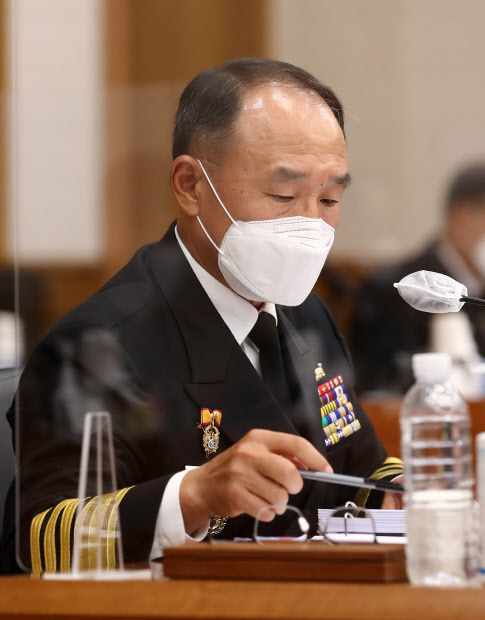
185 178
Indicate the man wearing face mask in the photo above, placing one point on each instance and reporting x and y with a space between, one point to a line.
386 331
237 361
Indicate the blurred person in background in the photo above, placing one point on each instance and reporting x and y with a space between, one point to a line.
386 331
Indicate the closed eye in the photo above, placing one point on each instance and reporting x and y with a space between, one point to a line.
281 198
327 201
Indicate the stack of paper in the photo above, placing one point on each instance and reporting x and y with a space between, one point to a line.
387 522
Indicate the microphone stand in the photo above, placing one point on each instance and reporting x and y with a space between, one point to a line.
476 301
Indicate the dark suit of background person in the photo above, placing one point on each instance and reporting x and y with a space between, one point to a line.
151 348
386 330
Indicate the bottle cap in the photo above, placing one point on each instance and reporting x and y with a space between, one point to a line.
431 367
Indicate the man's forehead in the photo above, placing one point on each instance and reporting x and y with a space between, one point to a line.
275 103
286 97
282 117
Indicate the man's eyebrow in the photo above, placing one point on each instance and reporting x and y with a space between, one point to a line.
289 174
344 180
285 174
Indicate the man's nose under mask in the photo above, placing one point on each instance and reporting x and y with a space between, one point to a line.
275 261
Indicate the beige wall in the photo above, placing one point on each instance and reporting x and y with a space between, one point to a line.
3 61
411 76
410 73
161 46
54 155
97 88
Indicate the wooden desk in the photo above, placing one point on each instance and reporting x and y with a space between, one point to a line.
21 597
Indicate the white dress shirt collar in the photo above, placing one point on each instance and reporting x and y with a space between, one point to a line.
237 313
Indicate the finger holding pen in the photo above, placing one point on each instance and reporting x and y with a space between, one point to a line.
259 470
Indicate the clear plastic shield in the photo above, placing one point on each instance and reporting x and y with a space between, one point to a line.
115 318
78 350
12 334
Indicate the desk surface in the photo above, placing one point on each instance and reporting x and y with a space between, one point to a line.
21 597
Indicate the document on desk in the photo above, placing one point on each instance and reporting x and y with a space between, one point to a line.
364 538
386 522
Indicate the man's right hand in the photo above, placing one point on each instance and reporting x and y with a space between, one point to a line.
259 470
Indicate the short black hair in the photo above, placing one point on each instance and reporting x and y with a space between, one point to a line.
210 103
468 185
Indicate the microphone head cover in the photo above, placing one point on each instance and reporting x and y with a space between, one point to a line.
432 292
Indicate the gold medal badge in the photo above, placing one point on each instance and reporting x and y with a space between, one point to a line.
210 422
319 372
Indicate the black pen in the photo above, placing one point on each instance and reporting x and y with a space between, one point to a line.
353 481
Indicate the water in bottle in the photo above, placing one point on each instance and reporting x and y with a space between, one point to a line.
435 443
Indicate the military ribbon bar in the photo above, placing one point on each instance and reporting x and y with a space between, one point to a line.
335 404
338 424
346 431
328 386
333 416
332 395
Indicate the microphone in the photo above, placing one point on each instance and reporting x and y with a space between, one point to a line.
429 291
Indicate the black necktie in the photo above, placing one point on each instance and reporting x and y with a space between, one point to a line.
265 336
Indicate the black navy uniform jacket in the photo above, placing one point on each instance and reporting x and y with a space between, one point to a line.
178 356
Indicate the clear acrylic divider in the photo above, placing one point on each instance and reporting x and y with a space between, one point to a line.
87 541
97 550
73 371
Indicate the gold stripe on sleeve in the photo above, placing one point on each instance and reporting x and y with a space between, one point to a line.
106 523
392 466
50 537
35 555
96 519
379 475
65 535
361 497
112 527
96 534
392 460
82 522
97 523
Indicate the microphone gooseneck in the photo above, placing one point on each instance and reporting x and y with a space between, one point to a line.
476 301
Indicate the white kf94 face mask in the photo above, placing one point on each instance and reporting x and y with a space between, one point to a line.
276 261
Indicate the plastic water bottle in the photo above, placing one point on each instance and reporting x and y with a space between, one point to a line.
435 445
480 452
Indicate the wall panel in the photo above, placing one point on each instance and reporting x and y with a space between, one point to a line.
153 49
3 218
410 74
